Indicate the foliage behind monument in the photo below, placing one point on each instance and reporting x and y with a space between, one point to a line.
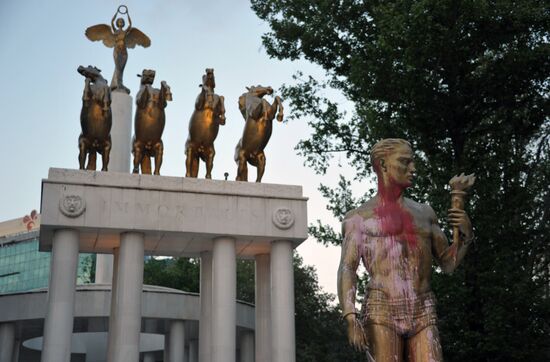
468 83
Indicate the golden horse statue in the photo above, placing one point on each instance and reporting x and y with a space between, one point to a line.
204 124
149 123
258 114
95 119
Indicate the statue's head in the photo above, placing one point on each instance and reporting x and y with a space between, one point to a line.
259 91
392 160
91 72
208 79
120 23
147 76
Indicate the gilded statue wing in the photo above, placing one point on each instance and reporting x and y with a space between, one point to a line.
136 37
101 32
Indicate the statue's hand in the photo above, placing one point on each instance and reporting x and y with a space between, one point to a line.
459 218
356 334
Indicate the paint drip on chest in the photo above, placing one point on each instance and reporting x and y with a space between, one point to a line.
393 219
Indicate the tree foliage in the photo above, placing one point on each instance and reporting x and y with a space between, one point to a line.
467 82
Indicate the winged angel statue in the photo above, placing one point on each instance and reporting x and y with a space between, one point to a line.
115 36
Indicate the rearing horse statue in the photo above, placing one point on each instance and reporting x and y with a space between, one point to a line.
258 114
204 124
95 119
149 123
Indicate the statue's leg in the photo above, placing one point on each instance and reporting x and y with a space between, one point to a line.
281 109
137 150
261 166
105 156
82 147
425 346
210 153
92 155
146 165
188 161
242 171
195 166
385 344
159 151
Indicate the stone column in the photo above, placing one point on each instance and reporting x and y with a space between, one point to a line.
16 350
166 357
7 341
282 302
247 347
263 308
224 294
194 351
112 312
121 139
205 322
124 336
149 357
58 325
177 341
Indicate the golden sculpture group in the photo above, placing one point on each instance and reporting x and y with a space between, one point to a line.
395 237
150 118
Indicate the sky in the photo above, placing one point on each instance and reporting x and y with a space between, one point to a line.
43 44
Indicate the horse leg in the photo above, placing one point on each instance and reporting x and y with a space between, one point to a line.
261 166
188 161
195 166
146 165
137 150
280 115
92 155
82 147
159 151
211 152
106 152
277 106
242 171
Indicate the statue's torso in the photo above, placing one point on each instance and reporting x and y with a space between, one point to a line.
203 126
395 247
95 119
150 119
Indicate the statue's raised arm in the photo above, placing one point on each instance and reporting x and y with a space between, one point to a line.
119 38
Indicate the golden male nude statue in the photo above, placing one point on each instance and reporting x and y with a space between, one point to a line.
396 238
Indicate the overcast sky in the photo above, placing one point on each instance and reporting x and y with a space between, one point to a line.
43 43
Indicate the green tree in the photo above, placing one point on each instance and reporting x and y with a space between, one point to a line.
467 82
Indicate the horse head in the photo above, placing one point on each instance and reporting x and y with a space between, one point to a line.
147 76
91 72
165 90
259 91
208 79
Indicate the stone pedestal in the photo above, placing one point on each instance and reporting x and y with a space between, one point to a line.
173 216
120 158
